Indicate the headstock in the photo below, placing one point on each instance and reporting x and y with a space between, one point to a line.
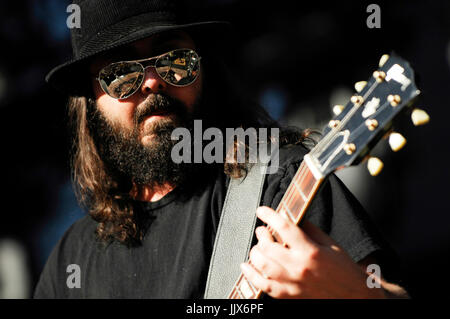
366 118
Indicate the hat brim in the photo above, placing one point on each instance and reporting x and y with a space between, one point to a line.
67 76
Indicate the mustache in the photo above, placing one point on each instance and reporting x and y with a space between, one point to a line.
157 104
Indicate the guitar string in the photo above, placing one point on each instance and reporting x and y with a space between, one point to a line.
293 190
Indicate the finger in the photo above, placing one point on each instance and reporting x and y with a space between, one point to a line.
263 234
287 231
276 251
290 260
267 266
317 235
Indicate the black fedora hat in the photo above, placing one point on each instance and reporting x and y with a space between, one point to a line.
110 24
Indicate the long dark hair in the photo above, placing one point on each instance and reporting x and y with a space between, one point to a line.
107 197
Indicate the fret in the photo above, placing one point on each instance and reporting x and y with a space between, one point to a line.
293 202
245 289
308 184
287 212
234 293
253 287
299 190
238 291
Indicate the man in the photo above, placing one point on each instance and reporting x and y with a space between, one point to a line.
152 222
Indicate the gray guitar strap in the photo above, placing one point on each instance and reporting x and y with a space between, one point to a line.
235 232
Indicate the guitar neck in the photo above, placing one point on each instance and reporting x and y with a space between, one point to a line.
292 206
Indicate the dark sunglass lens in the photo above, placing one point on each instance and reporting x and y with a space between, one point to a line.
120 80
179 67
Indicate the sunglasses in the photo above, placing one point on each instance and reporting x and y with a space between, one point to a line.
121 80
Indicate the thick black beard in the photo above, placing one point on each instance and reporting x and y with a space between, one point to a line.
126 157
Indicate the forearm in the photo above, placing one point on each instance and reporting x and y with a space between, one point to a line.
393 291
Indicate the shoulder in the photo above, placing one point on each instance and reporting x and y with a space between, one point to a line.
80 234
79 241
288 156
291 154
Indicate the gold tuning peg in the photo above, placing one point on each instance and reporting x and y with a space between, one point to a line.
360 85
419 117
337 109
396 141
383 60
374 165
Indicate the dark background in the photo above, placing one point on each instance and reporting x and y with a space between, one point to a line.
297 60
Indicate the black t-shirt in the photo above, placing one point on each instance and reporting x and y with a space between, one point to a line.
173 260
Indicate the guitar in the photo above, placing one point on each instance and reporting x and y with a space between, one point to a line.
347 140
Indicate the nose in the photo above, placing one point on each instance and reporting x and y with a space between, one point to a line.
152 82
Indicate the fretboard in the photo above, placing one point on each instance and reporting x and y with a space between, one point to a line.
292 206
